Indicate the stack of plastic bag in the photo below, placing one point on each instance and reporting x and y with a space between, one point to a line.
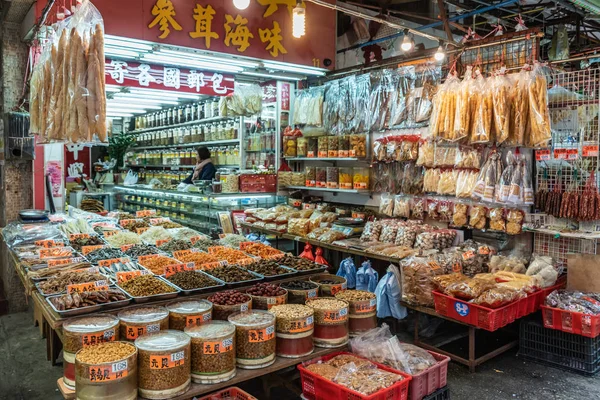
367 277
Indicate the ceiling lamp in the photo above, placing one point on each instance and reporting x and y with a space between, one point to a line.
241 4
407 42
440 54
298 20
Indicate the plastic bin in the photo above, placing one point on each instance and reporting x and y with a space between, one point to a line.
229 393
571 322
430 380
482 317
441 394
559 349
314 387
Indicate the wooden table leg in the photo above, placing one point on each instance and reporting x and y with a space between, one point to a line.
55 346
472 362
38 320
47 337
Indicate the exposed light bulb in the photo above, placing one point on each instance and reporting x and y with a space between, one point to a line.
298 21
407 43
439 54
241 4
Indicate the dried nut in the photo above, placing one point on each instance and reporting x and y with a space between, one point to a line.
105 352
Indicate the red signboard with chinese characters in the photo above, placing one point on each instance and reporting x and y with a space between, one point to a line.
263 30
131 73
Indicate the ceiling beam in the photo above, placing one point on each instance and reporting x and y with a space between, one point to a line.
444 18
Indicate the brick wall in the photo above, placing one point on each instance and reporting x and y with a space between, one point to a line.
16 184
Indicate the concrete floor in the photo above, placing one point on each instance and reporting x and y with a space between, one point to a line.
26 375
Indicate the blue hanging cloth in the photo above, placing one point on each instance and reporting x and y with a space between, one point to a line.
347 270
367 277
389 294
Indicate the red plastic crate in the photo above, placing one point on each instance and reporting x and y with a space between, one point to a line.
229 393
431 379
571 322
258 183
314 387
483 317
560 284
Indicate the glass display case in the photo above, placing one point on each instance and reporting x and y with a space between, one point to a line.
194 209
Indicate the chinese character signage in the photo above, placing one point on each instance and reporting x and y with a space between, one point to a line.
130 73
263 30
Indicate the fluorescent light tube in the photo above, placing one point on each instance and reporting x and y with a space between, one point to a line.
120 52
202 57
170 60
272 76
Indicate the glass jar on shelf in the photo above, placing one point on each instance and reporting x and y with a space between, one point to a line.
346 178
215 108
312 147
321 177
310 176
343 146
361 178
332 177
200 114
322 147
332 147
289 146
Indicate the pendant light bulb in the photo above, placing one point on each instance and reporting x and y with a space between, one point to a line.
298 20
241 4
439 54
407 43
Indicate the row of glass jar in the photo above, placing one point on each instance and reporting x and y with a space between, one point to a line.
226 155
260 141
166 177
259 159
226 130
344 146
327 177
179 115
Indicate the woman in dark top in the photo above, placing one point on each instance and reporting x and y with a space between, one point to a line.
205 170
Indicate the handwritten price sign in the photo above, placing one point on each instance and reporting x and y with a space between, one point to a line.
88 249
76 236
128 275
55 252
64 261
161 242
145 213
175 268
110 233
108 263
87 287
49 243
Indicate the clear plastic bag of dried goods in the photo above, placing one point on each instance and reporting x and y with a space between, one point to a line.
441 123
347 100
331 106
428 80
365 379
463 111
362 89
465 183
399 106
500 86
426 153
417 284
511 163
519 115
383 87
482 108
401 207
17 233
371 232
498 297
468 157
386 205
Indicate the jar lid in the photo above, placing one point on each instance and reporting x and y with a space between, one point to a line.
143 314
189 306
251 318
162 340
211 330
91 324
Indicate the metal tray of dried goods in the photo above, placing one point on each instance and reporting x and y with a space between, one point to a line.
162 296
259 277
89 309
219 285
290 273
108 280
321 268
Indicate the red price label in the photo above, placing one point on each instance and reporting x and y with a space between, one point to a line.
108 263
197 320
364 307
75 236
590 151
106 373
49 243
261 335
334 316
196 238
88 249
87 287
338 288
64 261
223 346
139 231
142 259
303 325
124 276
110 233
145 213
182 253
161 242
55 252
467 255
565 154
133 332
95 338
125 222
167 361
175 268
126 247
542 155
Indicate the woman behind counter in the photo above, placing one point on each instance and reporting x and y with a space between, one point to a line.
205 170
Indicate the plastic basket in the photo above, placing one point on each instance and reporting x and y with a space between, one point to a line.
559 349
478 316
441 394
430 380
228 393
314 387
571 321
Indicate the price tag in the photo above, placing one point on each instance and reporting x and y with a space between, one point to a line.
434 265
244 307
76 236
322 154
103 225
334 316
590 151
161 242
467 255
542 155
90 270
133 332
175 268
182 253
64 261
456 267
125 222
336 289
275 301
197 320
167 361
261 335
124 276
145 213
196 238
142 259
363 307
126 247
55 252
565 154
103 373
49 243
311 293
223 346
87 287
154 221
139 231
95 338
110 233
88 249
485 250
108 263
303 325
